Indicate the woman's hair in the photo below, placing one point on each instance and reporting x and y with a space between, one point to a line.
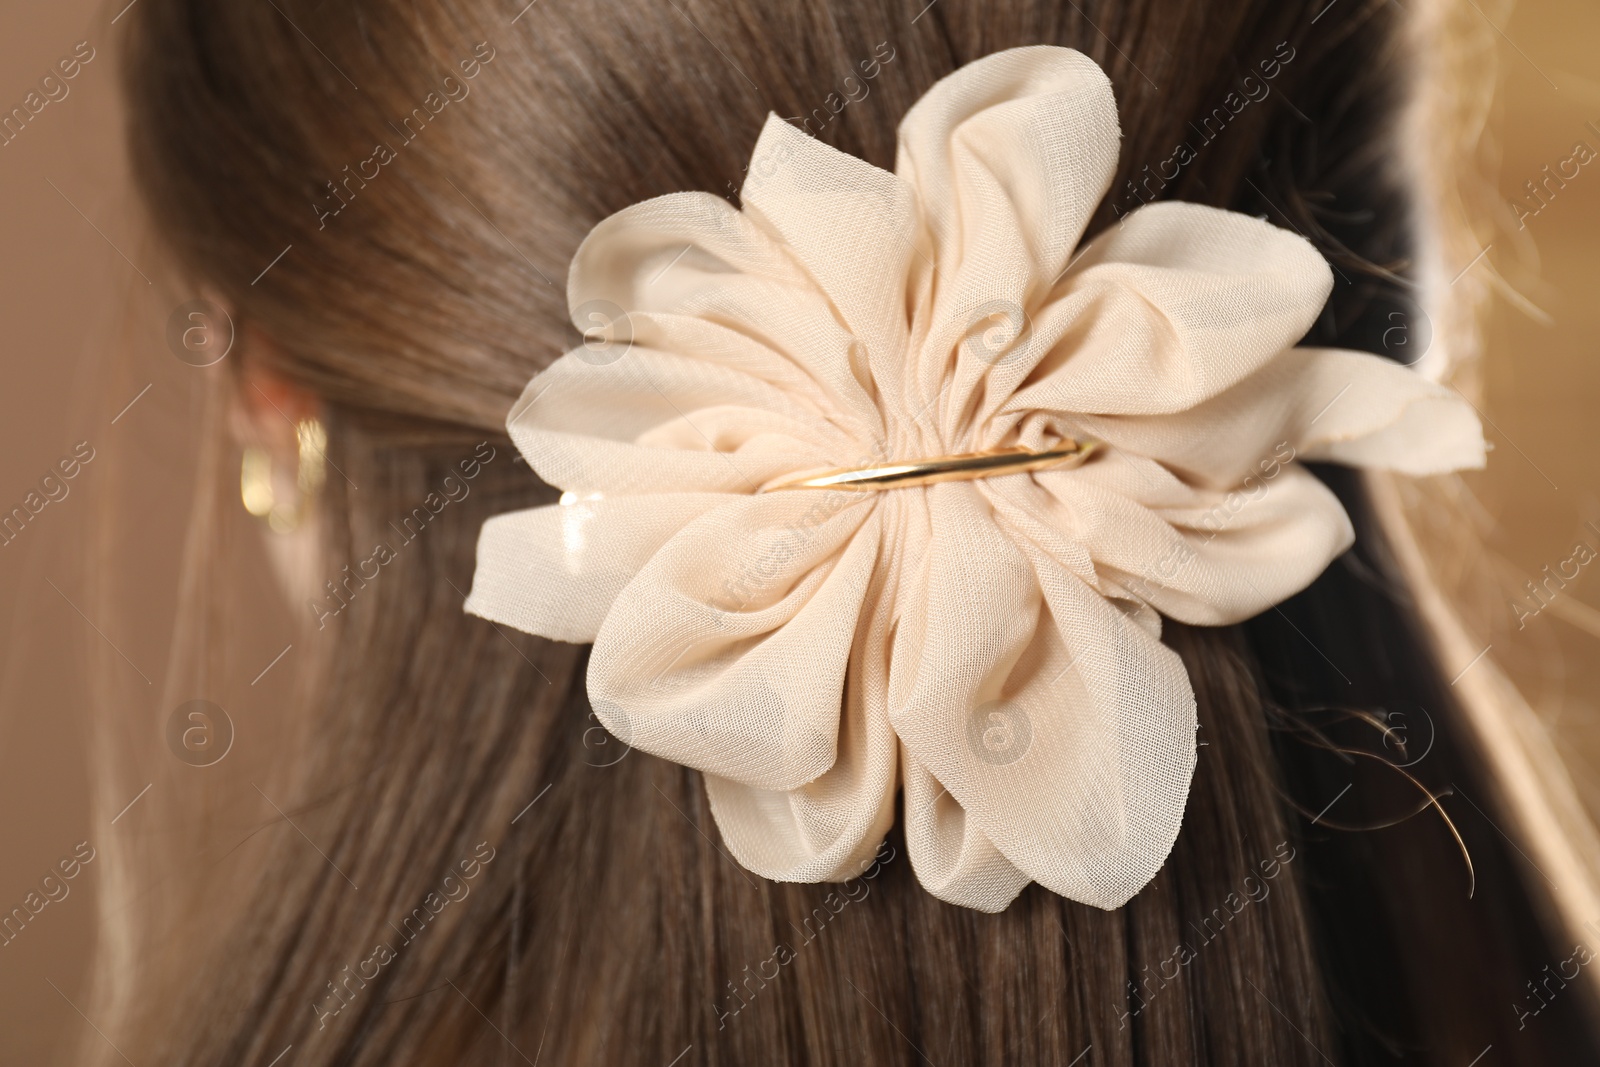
387 195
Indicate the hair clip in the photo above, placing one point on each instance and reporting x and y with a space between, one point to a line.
984 639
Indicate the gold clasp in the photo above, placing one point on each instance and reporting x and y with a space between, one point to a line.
958 468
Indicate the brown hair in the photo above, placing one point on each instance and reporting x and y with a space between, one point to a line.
389 194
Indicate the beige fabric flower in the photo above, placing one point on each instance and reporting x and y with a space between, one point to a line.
991 647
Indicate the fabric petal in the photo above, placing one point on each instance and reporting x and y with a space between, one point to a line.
1310 404
954 859
1009 157
825 829
1385 417
639 426
1172 307
727 651
695 256
555 571
1212 559
661 253
848 224
1064 730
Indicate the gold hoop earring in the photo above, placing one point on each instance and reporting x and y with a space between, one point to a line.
257 486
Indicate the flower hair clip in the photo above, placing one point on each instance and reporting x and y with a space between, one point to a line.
1018 455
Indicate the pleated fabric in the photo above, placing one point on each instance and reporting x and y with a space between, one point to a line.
990 647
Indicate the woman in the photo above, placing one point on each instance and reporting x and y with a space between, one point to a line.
387 198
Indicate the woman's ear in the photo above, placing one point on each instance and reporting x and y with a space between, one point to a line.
267 408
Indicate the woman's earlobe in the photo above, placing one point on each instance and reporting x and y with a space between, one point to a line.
282 437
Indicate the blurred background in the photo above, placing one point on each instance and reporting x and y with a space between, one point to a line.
90 384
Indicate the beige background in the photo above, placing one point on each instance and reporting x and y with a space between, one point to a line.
59 280
1542 374
75 302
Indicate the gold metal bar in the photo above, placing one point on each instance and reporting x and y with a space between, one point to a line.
958 468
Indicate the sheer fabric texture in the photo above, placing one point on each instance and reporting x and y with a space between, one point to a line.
990 647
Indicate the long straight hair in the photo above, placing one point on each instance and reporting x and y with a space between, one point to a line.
417 177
